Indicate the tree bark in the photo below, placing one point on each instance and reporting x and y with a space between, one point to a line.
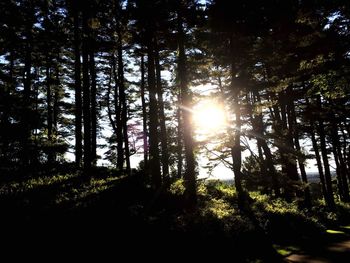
86 93
163 131
300 156
122 101
266 149
27 83
339 161
179 139
93 104
78 99
118 121
49 112
328 177
144 114
154 163
186 101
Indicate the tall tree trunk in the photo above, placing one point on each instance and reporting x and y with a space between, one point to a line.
301 159
236 139
344 149
186 101
266 149
163 131
55 106
26 140
328 177
77 80
144 114
109 110
285 144
122 101
49 112
288 152
93 104
319 165
154 163
317 156
86 93
5 95
339 160
35 106
118 121
179 138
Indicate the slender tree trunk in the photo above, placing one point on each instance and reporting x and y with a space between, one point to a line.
186 101
93 104
340 184
348 162
144 114
318 157
78 100
285 145
26 140
86 94
301 159
236 140
118 123
286 100
163 131
122 101
251 100
55 107
344 150
328 177
266 149
49 111
339 160
236 147
154 163
319 164
109 110
34 160
5 95
179 139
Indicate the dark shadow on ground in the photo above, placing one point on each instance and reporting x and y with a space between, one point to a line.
118 217
331 246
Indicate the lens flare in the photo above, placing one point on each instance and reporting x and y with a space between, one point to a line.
209 118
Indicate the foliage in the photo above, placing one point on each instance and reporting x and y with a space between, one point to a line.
177 187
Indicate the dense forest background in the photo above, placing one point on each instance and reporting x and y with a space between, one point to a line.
105 80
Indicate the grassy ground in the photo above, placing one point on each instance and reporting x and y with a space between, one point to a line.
113 214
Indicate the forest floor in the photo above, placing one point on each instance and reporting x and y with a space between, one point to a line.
118 216
336 248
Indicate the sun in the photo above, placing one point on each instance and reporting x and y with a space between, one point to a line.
209 117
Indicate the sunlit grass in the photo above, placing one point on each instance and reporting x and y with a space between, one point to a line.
286 250
32 183
331 231
91 188
65 190
226 190
219 208
276 205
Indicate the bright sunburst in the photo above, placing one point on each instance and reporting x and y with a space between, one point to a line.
209 117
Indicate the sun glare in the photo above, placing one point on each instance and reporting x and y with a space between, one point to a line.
209 118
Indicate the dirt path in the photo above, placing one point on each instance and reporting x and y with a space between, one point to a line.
338 252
